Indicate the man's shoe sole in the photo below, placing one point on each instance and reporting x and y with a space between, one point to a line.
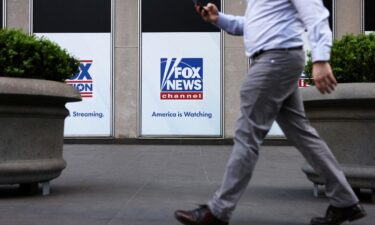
358 216
181 220
355 217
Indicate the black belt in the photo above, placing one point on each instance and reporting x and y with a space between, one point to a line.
258 53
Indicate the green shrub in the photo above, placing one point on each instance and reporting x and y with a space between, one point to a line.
352 59
26 56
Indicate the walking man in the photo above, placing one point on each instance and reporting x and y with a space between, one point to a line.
272 32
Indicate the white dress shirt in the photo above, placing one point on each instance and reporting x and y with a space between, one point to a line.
270 24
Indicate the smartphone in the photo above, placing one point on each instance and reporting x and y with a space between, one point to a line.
200 5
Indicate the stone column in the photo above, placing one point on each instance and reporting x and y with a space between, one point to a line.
126 68
18 15
235 67
348 17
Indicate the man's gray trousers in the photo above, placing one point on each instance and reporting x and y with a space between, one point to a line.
270 92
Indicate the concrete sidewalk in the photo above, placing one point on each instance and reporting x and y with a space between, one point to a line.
144 184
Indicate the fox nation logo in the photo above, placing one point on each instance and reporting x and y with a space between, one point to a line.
83 81
181 78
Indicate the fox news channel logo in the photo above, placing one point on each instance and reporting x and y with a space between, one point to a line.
83 81
181 78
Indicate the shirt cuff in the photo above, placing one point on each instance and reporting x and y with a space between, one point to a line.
321 55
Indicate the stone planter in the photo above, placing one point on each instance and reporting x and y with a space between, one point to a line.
32 114
345 119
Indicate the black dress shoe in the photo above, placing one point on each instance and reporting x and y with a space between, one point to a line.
336 216
199 216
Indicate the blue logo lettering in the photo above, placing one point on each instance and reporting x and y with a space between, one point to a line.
181 74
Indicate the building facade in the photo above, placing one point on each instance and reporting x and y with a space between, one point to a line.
124 29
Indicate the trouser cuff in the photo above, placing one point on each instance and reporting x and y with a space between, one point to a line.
217 213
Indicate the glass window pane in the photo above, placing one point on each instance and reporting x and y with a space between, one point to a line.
71 16
329 5
173 16
369 15
1 14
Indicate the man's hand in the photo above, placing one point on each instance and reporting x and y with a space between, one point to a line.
209 13
324 80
